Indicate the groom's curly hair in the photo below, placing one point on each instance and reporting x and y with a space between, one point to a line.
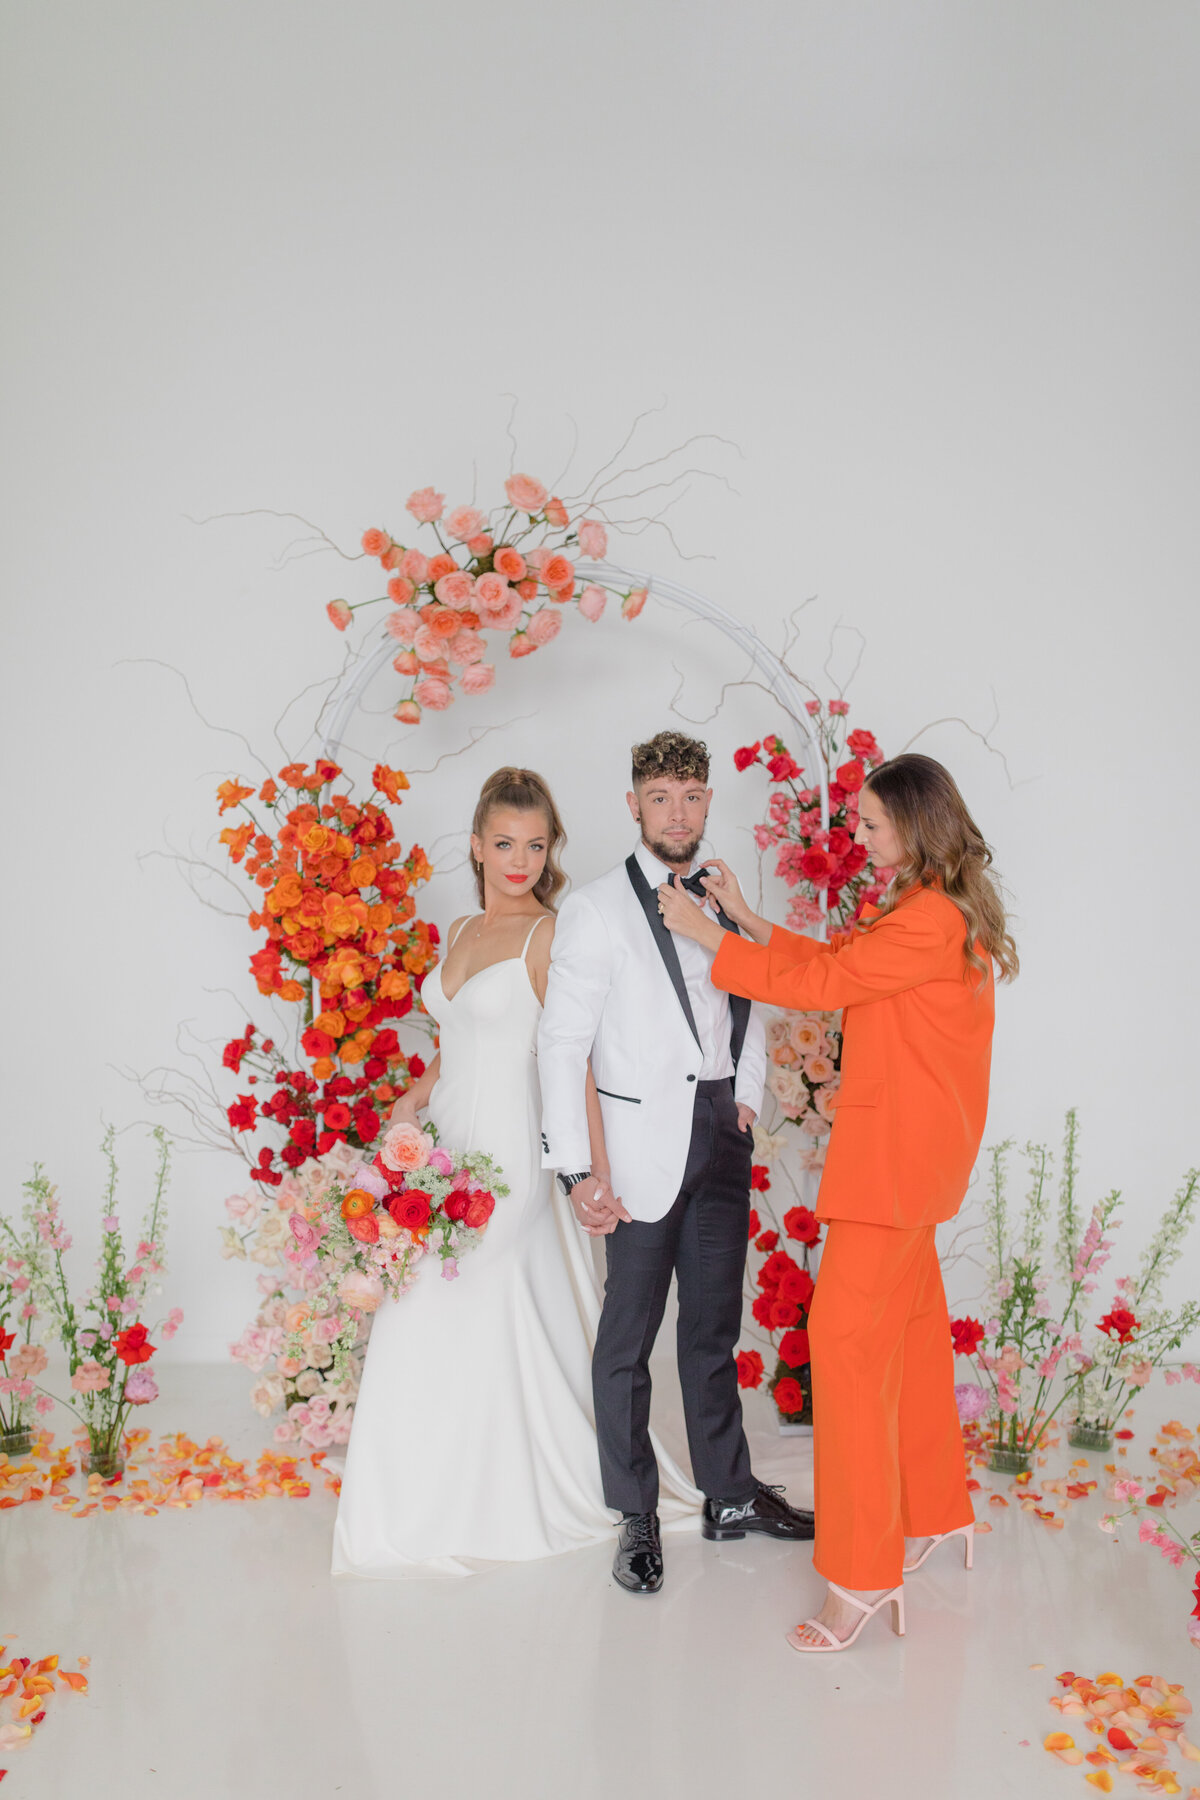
670 755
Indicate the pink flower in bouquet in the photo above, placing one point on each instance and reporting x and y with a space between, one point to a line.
434 693
425 505
326 1330
839 708
593 538
521 644
971 1401
545 625
803 912
819 1069
479 546
511 614
558 571
440 1163
368 1176
1139 1373
592 602
449 1269
405 1147
28 1361
765 836
243 1206
476 678
455 590
90 1378
306 1234
812 708
43 1404
172 1322
339 614
141 1387
465 522
509 563
633 603
807 1035
403 624
414 565
557 513
526 494
400 590
428 645
376 543
1127 1489
492 593
366 1229
360 1291
466 647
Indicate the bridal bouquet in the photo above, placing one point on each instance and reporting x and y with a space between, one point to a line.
366 1238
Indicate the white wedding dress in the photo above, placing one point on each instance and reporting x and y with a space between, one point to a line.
473 1439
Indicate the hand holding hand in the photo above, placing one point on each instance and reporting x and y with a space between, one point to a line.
596 1207
681 914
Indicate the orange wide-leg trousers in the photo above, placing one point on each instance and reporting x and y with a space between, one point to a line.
887 1444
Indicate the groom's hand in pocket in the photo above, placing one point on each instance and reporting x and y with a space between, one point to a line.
746 1116
596 1206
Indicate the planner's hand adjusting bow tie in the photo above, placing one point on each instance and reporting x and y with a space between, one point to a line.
695 883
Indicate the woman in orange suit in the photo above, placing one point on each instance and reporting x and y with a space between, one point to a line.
915 978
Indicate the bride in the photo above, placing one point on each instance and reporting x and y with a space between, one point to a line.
473 1437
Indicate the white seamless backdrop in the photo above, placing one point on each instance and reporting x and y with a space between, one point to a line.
929 269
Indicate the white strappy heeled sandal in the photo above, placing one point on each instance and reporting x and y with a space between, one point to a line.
966 1532
894 1597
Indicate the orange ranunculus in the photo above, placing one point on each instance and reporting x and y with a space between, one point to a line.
341 923
333 1023
389 781
268 793
302 944
394 984
235 838
291 990
362 871
316 839
357 1204
379 917
323 1068
287 892
342 845
232 793
353 1052
292 775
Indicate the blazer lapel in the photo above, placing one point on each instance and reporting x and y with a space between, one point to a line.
663 938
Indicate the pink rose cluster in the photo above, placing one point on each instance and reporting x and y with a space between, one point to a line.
513 570
814 857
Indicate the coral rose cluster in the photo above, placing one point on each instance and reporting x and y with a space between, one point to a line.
513 570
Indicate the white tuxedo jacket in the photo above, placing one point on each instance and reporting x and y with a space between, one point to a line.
616 993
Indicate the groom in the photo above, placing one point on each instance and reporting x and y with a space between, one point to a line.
679 1070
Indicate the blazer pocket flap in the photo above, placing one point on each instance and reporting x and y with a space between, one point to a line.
857 1090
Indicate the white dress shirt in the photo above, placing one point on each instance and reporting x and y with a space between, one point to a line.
710 1007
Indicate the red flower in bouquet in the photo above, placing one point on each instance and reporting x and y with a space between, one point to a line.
797 1285
784 1314
760 1178
966 1336
851 776
7 1340
411 1208
242 1113
760 1310
132 1345
755 1223
338 1117
802 1224
783 768
1121 1324
480 1208
749 1369
365 1229
793 1349
748 754
766 1241
789 1396
1196 1593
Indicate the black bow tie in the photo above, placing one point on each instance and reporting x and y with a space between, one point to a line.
695 883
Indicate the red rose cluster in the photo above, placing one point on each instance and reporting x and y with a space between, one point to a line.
966 1335
344 942
1121 1324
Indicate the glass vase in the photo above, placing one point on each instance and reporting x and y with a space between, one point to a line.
17 1440
1009 1462
1090 1437
103 1457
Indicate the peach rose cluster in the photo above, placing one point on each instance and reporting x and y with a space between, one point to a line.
513 570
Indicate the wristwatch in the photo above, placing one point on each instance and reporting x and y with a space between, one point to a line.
567 1182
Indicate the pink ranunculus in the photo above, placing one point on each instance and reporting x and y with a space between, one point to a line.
408 713
414 564
526 494
593 538
141 1387
492 593
425 505
464 522
339 614
521 644
455 590
28 1361
434 693
466 647
405 1147
476 678
592 602
361 1291
633 603
545 625
403 624
90 1378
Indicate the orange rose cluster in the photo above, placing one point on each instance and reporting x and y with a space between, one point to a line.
343 941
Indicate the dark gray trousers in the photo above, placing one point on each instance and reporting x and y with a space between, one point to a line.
702 1239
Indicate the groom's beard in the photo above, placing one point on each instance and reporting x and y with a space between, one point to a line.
672 853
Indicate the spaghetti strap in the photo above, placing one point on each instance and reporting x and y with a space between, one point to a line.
529 938
452 941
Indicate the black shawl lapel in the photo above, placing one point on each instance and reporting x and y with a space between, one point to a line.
739 1008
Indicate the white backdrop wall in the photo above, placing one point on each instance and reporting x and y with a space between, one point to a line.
932 270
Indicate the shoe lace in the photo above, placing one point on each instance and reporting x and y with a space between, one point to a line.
642 1532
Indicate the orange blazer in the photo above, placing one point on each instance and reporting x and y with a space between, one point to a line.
916 1052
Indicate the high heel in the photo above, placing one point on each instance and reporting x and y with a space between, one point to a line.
894 1597
966 1532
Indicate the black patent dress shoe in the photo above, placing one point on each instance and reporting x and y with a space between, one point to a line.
768 1512
638 1564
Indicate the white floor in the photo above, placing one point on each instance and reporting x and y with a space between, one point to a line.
225 1662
